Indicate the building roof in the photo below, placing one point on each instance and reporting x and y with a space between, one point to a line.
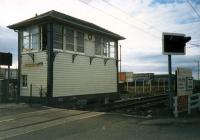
65 19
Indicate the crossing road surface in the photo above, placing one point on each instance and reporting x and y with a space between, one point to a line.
63 124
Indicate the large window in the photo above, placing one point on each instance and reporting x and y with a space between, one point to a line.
57 36
112 49
80 41
98 45
24 81
69 39
31 39
106 47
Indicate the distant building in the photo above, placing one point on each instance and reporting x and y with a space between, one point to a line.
4 73
62 57
125 76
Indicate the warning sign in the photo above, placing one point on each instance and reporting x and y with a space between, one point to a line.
184 87
182 103
184 81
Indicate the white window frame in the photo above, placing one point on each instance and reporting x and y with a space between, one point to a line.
65 41
30 41
26 82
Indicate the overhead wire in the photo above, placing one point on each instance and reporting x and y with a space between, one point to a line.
126 13
188 1
132 25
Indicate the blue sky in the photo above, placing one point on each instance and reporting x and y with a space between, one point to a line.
140 21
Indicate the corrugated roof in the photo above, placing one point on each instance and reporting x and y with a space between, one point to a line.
65 19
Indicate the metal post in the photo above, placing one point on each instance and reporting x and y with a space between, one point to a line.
8 81
135 85
143 86
198 69
127 85
150 85
170 82
30 95
120 67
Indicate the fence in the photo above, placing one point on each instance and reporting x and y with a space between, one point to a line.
192 103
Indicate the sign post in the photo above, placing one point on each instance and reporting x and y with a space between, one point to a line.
173 44
6 59
170 82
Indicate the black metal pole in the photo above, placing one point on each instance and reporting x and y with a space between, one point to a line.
170 82
120 69
31 95
19 68
8 81
50 61
198 68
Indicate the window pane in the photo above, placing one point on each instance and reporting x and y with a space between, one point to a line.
106 47
25 46
34 37
57 36
24 80
34 41
69 36
80 42
31 39
97 45
112 49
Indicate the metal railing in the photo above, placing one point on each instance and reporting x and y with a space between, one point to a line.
193 102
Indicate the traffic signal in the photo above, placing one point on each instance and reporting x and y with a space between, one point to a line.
5 59
174 43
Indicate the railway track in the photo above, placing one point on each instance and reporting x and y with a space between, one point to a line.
136 102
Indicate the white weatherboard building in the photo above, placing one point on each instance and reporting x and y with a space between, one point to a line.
62 56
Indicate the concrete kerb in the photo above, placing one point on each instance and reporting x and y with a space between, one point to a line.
171 121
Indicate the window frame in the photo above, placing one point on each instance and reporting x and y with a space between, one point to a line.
24 83
65 41
97 44
55 34
30 35
76 38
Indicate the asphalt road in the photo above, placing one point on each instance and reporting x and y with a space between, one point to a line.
75 125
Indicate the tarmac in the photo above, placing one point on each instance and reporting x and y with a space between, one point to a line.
22 122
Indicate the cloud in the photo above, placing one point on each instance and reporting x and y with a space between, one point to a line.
140 21
8 43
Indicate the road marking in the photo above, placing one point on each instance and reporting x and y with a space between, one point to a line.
92 116
29 129
6 120
26 113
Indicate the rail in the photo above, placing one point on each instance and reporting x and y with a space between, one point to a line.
151 100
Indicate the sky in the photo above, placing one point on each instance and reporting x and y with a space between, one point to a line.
141 22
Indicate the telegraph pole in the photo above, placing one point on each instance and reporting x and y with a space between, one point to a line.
170 81
120 67
198 68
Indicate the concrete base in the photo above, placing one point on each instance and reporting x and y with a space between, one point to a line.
79 101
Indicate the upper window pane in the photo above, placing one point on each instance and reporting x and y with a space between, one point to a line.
57 36
112 49
80 42
31 39
97 45
69 39
106 47
26 41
